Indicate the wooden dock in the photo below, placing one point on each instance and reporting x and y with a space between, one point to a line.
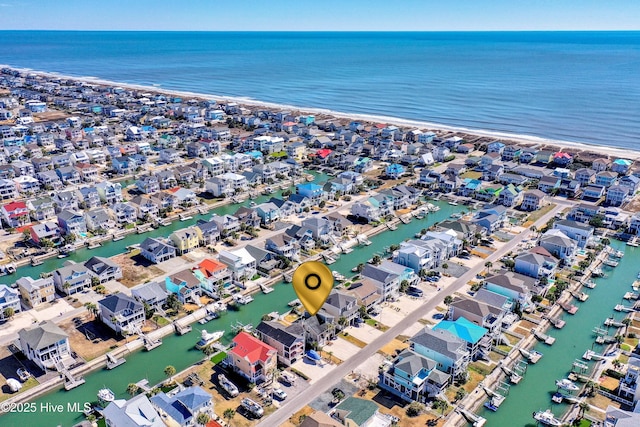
113 361
180 329
548 340
555 322
569 308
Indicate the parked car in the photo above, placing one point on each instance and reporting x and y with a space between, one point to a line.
279 394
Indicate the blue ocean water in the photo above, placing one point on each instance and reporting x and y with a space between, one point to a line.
573 86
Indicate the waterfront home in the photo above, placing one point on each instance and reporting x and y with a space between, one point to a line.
538 262
103 269
165 201
240 262
413 377
185 240
110 192
420 254
88 197
15 214
156 250
9 299
150 293
46 233
593 192
632 182
268 212
99 219
46 345
283 245
448 351
145 207
227 224
369 210
287 340
477 338
247 216
184 285
212 274
606 178
359 412
72 222
72 278
478 312
629 388
600 165
136 411
558 244
634 224
617 195
562 158
581 233
585 176
313 192
226 184
124 213
339 305
266 261
366 293
252 358
515 286
121 313
387 282
532 200
184 197
208 232
36 292
182 408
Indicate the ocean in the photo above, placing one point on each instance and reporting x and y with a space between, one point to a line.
569 86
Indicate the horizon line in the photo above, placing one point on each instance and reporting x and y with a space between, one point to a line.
326 31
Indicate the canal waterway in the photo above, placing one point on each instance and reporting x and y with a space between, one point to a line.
109 248
179 351
534 392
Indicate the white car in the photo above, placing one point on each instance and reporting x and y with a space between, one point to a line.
279 394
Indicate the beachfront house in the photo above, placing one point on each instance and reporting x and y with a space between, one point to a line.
121 313
46 345
252 358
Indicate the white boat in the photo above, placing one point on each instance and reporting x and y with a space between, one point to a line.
106 395
14 385
184 217
228 386
206 338
63 256
567 384
115 239
23 374
547 418
339 277
453 203
242 299
252 406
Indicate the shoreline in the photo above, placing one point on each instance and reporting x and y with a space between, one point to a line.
528 140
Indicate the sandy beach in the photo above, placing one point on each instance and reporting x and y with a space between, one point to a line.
586 151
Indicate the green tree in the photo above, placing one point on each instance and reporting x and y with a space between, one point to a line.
132 389
460 394
169 371
66 286
376 259
626 322
415 409
404 286
439 404
584 407
95 281
203 418
8 312
228 415
488 265
448 299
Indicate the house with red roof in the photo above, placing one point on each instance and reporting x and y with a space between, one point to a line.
212 273
562 158
322 155
15 214
252 358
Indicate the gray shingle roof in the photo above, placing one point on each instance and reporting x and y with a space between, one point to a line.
43 335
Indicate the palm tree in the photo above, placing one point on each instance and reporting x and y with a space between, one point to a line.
448 299
66 286
203 418
330 354
616 364
228 415
488 265
169 371
132 389
584 407
626 322
591 387
9 312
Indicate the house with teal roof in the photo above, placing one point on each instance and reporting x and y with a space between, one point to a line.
359 412
621 166
314 192
477 338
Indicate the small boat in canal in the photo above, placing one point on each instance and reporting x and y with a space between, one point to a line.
547 418
567 384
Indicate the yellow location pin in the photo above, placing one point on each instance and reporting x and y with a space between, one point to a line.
312 282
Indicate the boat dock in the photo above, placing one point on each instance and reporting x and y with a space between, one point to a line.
514 377
391 226
589 284
633 241
555 322
569 308
631 296
620 307
328 259
70 382
363 240
580 296
531 355
548 340
113 361
150 344
181 330
610 321
266 289
475 419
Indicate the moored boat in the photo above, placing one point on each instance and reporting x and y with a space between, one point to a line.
567 384
106 395
547 418
206 338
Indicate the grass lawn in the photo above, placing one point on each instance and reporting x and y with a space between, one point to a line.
353 340
375 324
540 213
219 357
161 321
471 175
480 368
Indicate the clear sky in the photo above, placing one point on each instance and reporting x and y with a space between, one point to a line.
329 15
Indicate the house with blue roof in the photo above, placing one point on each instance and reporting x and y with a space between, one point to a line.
477 338
621 166
314 192
183 407
394 171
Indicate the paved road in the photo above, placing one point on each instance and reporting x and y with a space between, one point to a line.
295 403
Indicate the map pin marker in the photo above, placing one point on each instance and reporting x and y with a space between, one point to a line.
312 282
